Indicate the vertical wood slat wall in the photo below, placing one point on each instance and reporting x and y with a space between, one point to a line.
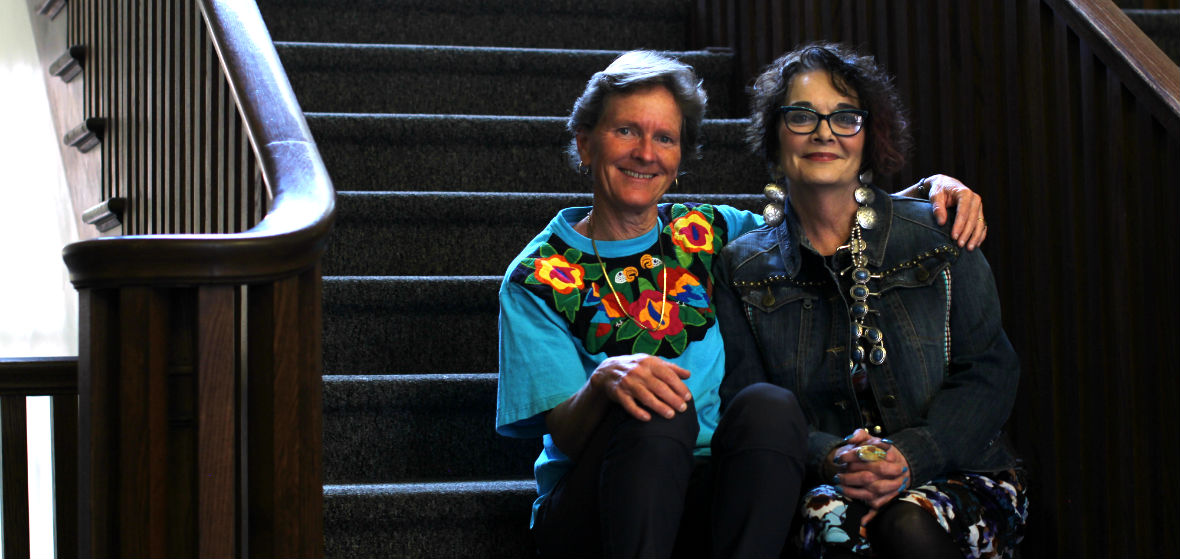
173 142
1078 178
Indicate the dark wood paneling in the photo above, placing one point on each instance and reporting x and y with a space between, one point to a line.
285 471
1064 118
217 408
65 471
14 446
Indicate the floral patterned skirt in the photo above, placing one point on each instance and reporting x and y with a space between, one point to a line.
985 514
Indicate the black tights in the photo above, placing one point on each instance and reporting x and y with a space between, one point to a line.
901 529
637 490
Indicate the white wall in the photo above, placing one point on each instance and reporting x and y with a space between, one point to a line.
38 306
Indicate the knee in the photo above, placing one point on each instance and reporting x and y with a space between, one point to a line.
902 521
681 427
766 410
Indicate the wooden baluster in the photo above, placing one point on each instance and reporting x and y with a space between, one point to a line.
15 447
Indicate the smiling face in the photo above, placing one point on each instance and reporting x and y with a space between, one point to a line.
819 158
633 150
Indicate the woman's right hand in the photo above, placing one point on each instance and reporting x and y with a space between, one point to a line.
876 480
640 381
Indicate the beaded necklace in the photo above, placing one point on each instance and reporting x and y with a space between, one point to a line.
611 284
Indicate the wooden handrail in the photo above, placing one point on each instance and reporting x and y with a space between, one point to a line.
1126 49
38 376
292 236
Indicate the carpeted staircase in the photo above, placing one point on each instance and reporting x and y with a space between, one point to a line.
442 125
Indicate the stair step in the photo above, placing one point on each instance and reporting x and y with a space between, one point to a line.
1163 26
607 24
487 153
410 325
382 428
455 519
464 80
431 233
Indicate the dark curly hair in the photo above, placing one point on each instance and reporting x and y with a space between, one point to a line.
633 71
888 142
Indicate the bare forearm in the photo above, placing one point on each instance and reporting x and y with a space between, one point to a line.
640 383
573 421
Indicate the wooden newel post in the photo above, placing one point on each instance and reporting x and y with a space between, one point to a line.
199 420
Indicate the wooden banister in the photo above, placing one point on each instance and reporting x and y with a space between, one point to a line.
294 232
1143 67
38 376
200 324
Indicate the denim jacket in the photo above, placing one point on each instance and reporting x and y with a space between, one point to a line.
949 379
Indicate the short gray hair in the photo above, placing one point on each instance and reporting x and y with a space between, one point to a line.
635 70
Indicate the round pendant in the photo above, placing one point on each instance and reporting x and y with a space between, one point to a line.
859 309
858 353
861 275
859 292
873 335
864 195
773 214
774 193
877 355
866 217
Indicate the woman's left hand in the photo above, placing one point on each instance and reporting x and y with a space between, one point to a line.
864 477
970 229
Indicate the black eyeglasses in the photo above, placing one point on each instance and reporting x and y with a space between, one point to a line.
844 122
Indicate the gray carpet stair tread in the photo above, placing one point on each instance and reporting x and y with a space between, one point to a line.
385 428
383 233
410 325
605 24
335 77
488 153
453 519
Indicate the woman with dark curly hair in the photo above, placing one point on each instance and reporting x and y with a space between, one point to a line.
885 330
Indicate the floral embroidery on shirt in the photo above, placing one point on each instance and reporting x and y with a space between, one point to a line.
693 232
576 285
559 273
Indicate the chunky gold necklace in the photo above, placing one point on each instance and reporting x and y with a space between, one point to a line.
611 284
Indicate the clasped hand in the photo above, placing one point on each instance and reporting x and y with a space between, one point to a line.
641 382
865 477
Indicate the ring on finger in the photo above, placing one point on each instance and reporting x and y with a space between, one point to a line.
870 453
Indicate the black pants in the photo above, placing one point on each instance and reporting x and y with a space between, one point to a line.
637 490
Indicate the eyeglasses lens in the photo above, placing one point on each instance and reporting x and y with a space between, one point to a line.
805 122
